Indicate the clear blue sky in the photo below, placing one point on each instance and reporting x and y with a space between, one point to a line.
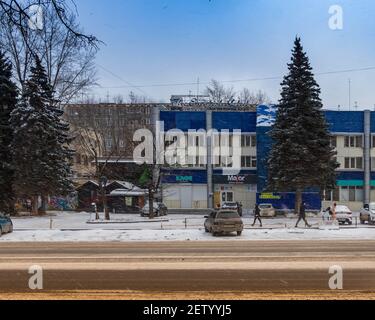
151 42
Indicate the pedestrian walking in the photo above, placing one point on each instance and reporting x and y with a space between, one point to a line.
302 215
240 210
257 216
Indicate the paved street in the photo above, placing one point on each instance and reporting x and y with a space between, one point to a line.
188 269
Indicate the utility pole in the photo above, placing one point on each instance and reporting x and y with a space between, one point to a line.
198 88
350 94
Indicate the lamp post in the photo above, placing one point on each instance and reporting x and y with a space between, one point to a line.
103 184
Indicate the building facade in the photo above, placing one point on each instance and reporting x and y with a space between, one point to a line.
207 185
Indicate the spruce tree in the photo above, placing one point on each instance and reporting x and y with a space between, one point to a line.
41 139
8 101
302 156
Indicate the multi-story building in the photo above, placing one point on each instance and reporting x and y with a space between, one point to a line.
103 134
207 184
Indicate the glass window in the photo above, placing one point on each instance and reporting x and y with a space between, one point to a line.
347 163
359 163
351 193
344 194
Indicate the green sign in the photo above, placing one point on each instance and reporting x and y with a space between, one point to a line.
184 179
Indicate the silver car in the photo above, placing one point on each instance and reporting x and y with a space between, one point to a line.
368 214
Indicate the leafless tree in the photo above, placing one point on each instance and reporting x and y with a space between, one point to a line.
104 135
257 98
68 59
135 98
17 13
219 94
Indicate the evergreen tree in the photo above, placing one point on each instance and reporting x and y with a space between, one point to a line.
8 101
41 139
302 156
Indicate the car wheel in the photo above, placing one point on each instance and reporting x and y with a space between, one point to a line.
350 223
11 229
205 229
239 233
1 231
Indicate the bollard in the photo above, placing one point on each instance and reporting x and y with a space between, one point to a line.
50 223
185 223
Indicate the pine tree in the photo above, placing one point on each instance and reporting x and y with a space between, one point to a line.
8 101
41 139
302 156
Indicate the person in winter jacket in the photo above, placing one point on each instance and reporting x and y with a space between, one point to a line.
257 216
302 215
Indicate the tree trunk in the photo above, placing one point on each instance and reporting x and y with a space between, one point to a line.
151 203
43 207
34 204
105 207
298 201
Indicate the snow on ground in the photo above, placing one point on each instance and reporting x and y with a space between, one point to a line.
73 227
98 235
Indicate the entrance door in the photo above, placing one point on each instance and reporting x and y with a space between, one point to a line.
227 196
186 196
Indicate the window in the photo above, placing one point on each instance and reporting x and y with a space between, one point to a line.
353 142
334 141
354 163
248 162
352 194
333 195
248 141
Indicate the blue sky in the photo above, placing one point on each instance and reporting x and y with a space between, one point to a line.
152 42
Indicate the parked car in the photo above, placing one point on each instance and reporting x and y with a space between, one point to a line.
6 224
267 210
343 215
160 209
224 221
235 206
367 214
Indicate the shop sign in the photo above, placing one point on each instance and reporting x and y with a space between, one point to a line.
269 196
184 179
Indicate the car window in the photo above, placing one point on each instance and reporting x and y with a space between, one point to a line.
227 215
265 206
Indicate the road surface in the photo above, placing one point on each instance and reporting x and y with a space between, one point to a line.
224 270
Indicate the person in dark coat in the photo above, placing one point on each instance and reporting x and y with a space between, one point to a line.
302 215
257 216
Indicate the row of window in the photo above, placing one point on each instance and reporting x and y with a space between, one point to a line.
352 141
345 194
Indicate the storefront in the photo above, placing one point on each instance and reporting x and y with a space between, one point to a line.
240 188
185 189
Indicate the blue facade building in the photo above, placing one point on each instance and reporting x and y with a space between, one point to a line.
207 184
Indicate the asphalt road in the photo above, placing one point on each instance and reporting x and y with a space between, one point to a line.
215 269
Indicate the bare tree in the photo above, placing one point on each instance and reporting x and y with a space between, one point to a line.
248 97
68 59
135 98
219 94
105 136
17 13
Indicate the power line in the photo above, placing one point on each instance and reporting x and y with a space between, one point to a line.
233 81
129 84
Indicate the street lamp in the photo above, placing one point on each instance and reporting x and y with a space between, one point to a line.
103 183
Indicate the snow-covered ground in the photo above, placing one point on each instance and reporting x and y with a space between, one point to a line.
74 227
